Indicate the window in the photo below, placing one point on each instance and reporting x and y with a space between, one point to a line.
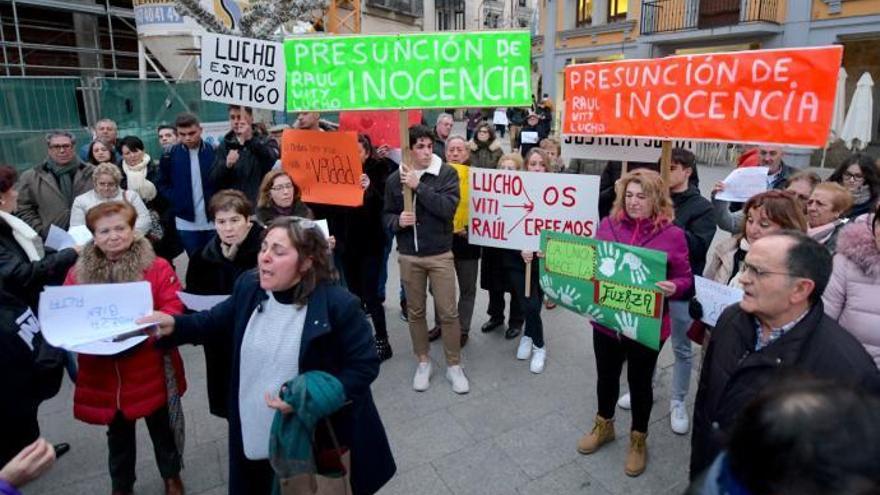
492 20
584 13
617 10
408 7
450 15
522 3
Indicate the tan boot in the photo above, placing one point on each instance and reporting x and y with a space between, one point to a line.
602 433
637 457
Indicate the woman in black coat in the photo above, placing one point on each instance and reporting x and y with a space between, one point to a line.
24 264
213 271
294 275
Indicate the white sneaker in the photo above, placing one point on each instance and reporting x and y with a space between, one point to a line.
539 357
678 417
624 402
456 377
525 348
423 377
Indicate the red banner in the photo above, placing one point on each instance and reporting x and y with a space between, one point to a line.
762 96
382 126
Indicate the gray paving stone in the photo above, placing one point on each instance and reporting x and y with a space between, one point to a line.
569 479
427 438
422 480
483 469
542 446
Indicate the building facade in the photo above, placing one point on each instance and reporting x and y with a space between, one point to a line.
582 31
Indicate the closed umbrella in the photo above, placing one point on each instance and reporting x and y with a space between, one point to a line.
839 105
857 124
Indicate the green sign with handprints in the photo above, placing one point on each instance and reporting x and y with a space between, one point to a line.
612 283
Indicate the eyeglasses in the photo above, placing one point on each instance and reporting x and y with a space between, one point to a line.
60 146
768 152
757 272
853 177
282 187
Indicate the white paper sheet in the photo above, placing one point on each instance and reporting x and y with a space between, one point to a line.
743 183
529 137
59 239
74 315
325 229
81 234
107 347
197 302
715 298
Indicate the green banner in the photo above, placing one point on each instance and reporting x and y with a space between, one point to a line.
612 283
420 70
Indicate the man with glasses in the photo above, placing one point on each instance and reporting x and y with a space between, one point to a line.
779 328
46 192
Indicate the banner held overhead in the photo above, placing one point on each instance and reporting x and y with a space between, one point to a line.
422 70
783 96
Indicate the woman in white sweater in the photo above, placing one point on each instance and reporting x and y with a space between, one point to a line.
107 178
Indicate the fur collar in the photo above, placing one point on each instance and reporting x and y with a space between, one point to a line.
494 145
93 267
856 242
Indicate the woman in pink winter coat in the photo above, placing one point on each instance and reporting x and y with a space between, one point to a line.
853 293
642 216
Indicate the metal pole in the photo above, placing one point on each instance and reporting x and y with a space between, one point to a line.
142 60
3 41
18 38
112 43
168 84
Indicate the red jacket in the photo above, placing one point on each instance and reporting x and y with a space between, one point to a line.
132 382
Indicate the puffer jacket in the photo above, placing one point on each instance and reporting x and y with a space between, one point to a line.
853 293
665 237
132 382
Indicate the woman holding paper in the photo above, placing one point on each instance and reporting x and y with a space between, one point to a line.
213 271
860 176
642 216
24 264
289 317
144 382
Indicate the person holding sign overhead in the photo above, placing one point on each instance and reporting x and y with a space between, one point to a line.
146 382
531 135
424 242
642 216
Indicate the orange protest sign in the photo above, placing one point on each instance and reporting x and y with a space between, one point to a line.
781 96
326 166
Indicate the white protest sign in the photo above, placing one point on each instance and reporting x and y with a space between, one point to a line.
615 148
715 298
198 302
74 315
743 183
500 117
528 137
508 209
243 71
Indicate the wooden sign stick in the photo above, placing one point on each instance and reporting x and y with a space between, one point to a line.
528 291
665 162
405 157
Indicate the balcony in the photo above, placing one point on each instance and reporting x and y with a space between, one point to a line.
669 16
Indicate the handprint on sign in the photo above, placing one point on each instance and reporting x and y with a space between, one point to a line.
595 313
608 259
638 272
628 324
547 286
568 296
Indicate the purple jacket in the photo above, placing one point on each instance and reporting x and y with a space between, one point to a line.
667 238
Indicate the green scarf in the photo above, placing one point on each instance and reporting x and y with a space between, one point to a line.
64 175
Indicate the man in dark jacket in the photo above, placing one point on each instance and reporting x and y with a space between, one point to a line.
244 156
185 181
779 327
424 243
516 118
693 213
30 372
531 134
441 131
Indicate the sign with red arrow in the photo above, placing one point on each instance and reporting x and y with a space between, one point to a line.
509 209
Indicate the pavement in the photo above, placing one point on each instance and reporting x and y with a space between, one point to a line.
514 433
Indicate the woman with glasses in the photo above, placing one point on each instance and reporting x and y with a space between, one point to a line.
287 318
642 216
853 292
106 178
485 149
860 176
279 196
826 210
213 271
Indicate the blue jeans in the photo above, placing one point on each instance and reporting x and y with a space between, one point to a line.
681 348
194 240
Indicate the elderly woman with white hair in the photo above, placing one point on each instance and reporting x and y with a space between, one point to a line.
107 178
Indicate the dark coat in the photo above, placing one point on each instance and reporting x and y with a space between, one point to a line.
255 159
29 277
733 373
524 148
336 338
175 179
493 277
693 213
30 372
517 116
436 200
365 226
211 273
266 214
